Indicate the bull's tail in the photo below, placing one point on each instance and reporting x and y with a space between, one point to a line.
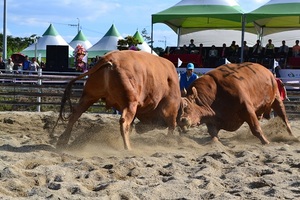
67 93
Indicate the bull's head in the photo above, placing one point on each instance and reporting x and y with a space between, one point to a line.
193 109
188 113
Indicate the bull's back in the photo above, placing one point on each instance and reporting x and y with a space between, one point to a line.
247 80
152 74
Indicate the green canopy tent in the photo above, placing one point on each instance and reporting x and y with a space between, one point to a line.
189 16
275 16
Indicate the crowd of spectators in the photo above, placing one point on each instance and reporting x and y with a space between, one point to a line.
214 56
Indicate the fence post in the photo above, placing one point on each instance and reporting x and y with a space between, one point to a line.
39 82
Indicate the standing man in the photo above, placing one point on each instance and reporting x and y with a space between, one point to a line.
187 78
26 64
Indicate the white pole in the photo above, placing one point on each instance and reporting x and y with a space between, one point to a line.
4 32
39 90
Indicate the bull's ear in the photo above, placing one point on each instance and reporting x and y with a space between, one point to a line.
194 95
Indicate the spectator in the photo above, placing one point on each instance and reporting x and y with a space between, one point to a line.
232 48
184 50
212 56
224 51
256 52
187 78
2 64
192 46
9 66
282 54
270 49
26 63
246 51
202 53
34 66
296 49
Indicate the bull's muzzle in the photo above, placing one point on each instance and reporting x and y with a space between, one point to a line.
184 123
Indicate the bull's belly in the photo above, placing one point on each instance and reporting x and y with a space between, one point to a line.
227 124
151 118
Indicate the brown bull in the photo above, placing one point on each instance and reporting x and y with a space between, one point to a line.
136 83
230 95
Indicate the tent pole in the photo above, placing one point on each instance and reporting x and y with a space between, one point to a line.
243 37
151 36
178 36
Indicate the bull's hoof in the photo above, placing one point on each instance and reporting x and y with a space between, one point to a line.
183 130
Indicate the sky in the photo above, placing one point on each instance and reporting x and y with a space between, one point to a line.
95 17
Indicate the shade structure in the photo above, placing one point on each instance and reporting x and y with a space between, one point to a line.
193 15
80 39
275 16
143 46
107 43
50 37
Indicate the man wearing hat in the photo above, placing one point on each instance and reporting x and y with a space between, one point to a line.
187 78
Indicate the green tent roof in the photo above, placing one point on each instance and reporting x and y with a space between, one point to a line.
139 37
276 16
194 15
80 36
51 31
112 32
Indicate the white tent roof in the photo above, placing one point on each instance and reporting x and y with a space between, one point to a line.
80 39
50 37
217 37
107 43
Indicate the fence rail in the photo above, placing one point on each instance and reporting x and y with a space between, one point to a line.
43 91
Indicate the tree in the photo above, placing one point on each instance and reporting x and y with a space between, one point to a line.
146 37
16 44
127 42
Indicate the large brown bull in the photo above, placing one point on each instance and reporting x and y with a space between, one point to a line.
136 83
230 95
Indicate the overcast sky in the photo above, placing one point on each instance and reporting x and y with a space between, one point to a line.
25 18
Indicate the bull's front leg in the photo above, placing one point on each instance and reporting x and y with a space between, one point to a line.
213 132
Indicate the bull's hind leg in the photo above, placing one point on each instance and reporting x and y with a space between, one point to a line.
126 120
83 105
279 109
254 125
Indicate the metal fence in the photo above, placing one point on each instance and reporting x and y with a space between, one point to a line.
38 91
42 91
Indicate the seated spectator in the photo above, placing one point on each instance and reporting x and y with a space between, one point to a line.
224 51
192 46
184 50
246 51
232 48
282 54
283 49
296 49
202 53
212 56
256 52
269 49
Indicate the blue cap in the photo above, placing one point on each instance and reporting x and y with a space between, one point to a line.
190 66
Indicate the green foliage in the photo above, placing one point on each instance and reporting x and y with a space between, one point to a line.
16 44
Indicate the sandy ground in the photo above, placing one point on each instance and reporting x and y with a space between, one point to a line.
189 166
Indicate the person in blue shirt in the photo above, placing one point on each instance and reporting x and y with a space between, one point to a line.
187 78
26 63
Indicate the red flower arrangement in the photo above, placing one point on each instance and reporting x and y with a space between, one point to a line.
79 58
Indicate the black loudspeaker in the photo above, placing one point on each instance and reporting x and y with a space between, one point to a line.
57 58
